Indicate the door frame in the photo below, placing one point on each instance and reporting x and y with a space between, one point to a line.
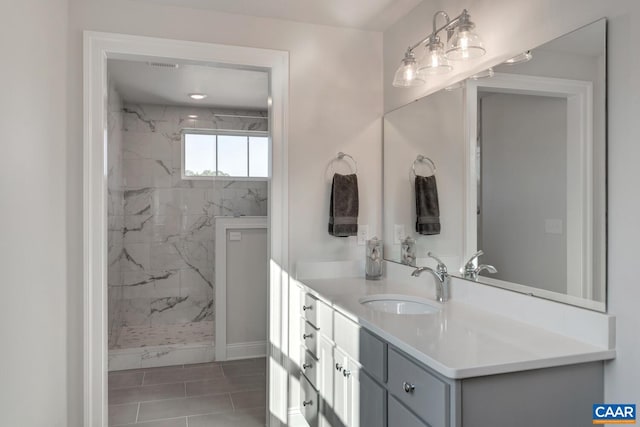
98 47
579 230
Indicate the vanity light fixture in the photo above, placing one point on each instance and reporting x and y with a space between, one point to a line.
193 116
458 85
462 44
484 74
407 74
197 96
434 62
519 59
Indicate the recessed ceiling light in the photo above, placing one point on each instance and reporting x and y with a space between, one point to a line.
197 96
193 116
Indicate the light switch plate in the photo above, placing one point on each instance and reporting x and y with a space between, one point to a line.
235 235
363 234
553 226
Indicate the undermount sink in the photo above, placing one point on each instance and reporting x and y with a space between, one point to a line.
400 304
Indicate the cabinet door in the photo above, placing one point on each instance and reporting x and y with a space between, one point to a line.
367 399
340 388
401 416
325 380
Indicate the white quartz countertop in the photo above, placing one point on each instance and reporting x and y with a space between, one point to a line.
459 341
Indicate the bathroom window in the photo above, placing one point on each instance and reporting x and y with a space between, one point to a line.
211 154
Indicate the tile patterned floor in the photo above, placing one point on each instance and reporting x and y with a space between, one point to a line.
151 336
216 394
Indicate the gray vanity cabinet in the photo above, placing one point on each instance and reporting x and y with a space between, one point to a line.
425 394
371 403
401 416
353 378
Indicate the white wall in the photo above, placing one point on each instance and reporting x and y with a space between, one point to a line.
527 134
431 127
335 104
511 26
33 308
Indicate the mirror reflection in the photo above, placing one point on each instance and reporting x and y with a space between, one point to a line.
517 185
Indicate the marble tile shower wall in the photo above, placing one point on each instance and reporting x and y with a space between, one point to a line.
168 235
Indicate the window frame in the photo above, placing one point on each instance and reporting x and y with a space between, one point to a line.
216 133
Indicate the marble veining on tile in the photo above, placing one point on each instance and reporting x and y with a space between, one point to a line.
161 227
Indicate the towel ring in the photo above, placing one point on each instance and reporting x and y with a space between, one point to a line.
423 159
341 156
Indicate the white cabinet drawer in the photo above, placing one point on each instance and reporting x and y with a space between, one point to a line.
310 337
310 309
308 402
319 314
422 392
310 368
361 345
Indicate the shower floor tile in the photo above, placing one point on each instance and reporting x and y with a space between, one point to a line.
215 394
150 336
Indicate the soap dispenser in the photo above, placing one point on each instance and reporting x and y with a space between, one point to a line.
373 265
408 251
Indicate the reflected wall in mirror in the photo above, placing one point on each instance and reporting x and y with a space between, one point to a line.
429 127
523 174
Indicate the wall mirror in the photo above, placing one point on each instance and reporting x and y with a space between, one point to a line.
519 163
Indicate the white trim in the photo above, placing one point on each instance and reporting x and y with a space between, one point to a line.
98 47
579 226
223 224
246 350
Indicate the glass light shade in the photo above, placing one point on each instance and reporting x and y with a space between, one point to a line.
458 85
407 74
519 59
434 62
483 74
465 44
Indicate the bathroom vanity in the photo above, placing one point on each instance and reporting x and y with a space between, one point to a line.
457 365
519 160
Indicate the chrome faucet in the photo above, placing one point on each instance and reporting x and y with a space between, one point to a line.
471 271
440 274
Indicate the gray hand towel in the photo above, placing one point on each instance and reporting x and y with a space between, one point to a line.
343 209
427 207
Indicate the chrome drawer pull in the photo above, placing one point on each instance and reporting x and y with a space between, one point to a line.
338 367
408 387
346 373
306 366
305 336
307 307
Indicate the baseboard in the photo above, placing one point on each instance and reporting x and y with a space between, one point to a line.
246 350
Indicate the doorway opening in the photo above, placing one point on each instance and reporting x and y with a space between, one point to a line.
164 168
